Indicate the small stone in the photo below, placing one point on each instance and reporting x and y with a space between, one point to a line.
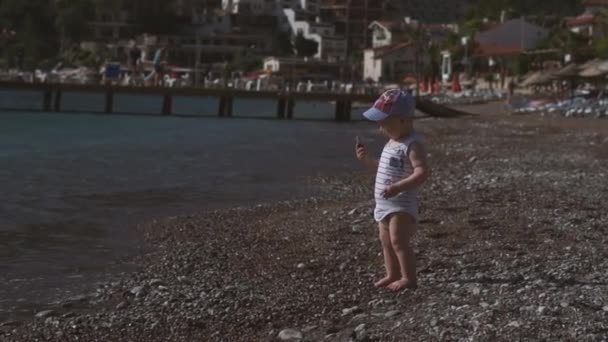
162 288
45 313
392 313
122 305
352 212
484 305
605 308
325 212
472 159
137 291
350 311
514 324
433 322
156 282
541 310
360 317
564 304
357 229
10 324
290 335
309 328
360 333
301 265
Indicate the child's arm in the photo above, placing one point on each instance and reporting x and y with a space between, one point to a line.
362 155
420 174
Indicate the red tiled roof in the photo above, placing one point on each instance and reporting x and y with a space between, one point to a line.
497 50
582 20
389 49
394 26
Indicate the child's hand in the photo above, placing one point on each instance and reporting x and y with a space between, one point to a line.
391 191
360 150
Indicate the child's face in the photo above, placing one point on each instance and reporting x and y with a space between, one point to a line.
395 127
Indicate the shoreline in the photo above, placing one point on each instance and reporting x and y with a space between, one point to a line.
496 249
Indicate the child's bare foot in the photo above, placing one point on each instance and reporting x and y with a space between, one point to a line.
402 284
384 282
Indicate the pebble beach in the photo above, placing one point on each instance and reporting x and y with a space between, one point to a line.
511 246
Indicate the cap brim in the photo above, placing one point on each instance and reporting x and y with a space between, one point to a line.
374 114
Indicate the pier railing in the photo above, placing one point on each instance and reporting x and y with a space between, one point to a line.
285 101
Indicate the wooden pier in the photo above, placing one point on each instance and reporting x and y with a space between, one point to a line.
285 101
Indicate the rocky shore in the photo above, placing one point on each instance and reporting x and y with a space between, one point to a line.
511 246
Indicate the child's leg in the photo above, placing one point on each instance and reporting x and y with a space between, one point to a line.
390 259
402 228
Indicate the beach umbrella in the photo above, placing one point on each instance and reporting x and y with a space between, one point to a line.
592 71
531 79
424 87
456 88
570 70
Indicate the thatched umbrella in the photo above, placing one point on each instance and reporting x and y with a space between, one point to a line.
592 71
570 70
531 79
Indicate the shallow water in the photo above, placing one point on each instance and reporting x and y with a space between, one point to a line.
74 184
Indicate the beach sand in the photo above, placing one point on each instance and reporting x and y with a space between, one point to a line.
511 246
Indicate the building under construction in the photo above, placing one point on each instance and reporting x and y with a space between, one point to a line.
353 17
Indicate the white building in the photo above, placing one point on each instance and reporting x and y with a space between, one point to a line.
330 46
388 32
390 63
253 7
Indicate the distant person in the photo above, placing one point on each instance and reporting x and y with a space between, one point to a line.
511 87
134 59
157 61
401 170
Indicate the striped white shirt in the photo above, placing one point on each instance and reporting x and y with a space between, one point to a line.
395 165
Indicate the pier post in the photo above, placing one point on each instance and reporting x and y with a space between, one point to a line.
225 109
109 101
222 108
57 104
167 104
348 107
47 100
291 103
281 108
339 115
229 102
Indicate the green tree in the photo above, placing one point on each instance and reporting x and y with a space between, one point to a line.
156 16
72 20
35 37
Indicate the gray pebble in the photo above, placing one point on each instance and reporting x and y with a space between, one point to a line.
392 313
45 313
290 335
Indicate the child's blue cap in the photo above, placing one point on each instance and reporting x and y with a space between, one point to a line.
394 102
